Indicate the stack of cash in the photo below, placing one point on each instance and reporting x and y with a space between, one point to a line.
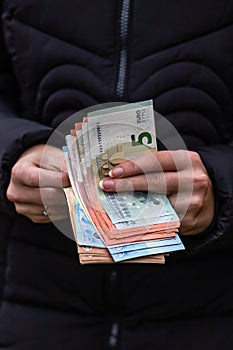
116 227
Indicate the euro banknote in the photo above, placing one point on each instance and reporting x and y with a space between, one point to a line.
127 225
91 248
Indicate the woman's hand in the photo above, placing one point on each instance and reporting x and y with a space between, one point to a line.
36 180
179 174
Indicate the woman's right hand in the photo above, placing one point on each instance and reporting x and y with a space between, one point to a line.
36 183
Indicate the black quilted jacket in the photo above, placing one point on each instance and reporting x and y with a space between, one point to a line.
57 57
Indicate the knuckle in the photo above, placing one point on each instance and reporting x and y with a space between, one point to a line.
155 181
16 170
179 158
202 181
19 210
133 166
11 195
65 180
195 158
52 195
124 185
188 225
179 154
196 203
158 182
32 179
34 219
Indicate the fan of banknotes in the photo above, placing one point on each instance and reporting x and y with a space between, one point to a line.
116 227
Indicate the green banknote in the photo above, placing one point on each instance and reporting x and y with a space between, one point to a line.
119 134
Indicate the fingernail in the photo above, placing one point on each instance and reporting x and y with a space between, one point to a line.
106 184
101 184
116 172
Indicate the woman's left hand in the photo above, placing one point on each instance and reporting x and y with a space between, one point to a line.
180 175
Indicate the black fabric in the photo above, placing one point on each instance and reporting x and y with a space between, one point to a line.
57 57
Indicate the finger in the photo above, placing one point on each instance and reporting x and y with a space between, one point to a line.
33 212
53 179
34 209
34 176
58 166
48 178
52 158
193 224
151 162
28 195
154 182
181 206
41 219
181 202
36 213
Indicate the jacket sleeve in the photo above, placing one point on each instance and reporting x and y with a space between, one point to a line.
16 133
218 160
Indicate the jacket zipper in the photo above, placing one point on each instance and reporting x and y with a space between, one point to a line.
123 55
113 339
